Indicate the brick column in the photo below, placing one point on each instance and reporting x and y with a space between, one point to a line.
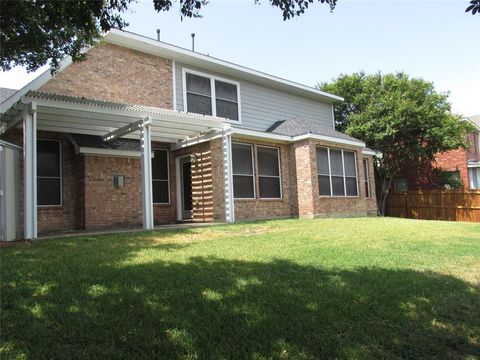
307 182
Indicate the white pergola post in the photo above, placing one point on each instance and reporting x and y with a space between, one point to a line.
146 160
30 171
228 176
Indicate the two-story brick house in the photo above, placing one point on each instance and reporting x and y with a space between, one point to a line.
464 162
144 131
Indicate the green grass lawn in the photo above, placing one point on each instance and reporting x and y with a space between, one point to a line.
370 288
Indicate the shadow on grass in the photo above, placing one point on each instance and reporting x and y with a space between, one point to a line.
212 308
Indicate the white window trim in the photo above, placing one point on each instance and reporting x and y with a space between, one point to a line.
168 178
252 175
366 179
213 99
344 176
279 177
51 177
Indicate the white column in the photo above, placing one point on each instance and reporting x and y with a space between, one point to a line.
146 160
30 171
228 176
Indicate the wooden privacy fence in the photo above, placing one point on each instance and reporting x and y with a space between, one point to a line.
453 205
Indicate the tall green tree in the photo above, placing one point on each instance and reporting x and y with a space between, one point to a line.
404 118
36 32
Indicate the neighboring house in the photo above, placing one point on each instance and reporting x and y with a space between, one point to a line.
465 162
460 164
143 131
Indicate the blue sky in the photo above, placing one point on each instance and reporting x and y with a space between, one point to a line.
434 40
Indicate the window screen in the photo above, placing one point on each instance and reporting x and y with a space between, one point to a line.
49 181
199 94
337 175
268 173
243 178
160 177
366 177
226 100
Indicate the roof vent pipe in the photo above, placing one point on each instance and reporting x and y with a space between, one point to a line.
193 42
158 34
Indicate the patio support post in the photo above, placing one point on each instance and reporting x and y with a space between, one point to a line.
228 176
146 160
30 170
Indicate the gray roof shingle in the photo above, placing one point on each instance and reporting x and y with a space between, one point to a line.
5 93
299 126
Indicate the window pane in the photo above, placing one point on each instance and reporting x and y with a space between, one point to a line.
336 162
351 186
269 187
365 169
474 175
267 161
349 161
225 91
199 104
243 186
227 109
48 192
160 191
338 186
367 189
198 84
48 158
242 159
324 185
160 165
322 161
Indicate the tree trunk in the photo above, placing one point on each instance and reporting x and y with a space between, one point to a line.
384 190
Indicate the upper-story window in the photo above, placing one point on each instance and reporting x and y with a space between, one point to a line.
209 95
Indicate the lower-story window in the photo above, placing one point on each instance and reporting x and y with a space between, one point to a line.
243 175
474 177
49 173
160 181
337 172
366 177
269 182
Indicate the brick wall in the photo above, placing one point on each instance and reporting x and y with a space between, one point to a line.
53 218
454 160
311 204
117 74
267 208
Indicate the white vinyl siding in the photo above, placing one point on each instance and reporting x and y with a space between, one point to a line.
261 106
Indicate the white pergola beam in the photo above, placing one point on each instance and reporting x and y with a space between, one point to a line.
146 163
127 129
30 171
228 176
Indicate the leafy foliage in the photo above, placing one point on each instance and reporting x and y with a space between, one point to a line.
403 117
34 33
474 7
448 179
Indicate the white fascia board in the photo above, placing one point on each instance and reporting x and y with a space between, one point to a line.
108 152
371 152
155 47
330 139
35 84
261 135
473 164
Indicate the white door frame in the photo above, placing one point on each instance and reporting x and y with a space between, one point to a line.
178 185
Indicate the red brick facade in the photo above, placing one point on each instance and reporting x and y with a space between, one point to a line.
117 74
91 201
